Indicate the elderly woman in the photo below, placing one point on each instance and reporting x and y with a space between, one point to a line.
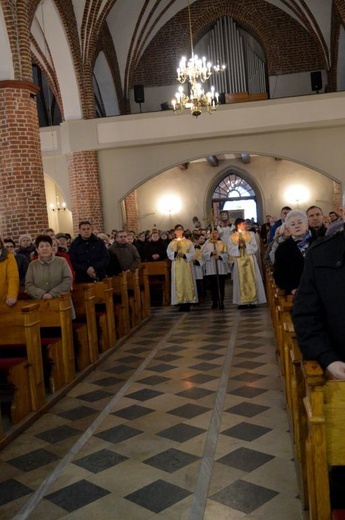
49 275
248 289
9 276
289 256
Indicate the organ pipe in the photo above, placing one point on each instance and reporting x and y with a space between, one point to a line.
245 69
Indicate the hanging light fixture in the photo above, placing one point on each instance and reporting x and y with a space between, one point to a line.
195 71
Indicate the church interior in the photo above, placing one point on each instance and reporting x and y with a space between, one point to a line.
186 416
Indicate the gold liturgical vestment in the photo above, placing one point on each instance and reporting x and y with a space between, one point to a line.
246 270
183 284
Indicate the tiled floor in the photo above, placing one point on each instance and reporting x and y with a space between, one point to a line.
185 421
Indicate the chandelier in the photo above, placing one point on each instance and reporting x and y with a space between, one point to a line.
195 71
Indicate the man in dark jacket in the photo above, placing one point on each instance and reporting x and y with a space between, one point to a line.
88 255
319 310
123 256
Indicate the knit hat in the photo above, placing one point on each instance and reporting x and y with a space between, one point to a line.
25 235
61 235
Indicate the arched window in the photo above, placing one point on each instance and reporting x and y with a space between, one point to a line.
235 195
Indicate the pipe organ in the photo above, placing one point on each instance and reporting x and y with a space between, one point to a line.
245 69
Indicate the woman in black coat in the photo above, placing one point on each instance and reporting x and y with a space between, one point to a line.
289 256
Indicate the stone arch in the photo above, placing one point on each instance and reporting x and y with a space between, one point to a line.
244 174
288 46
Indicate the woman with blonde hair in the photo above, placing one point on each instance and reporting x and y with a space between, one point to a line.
9 276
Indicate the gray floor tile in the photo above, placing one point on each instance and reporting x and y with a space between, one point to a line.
247 391
153 380
58 434
244 496
212 347
247 409
181 432
133 412
246 431
204 366
100 461
208 356
171 460
118 433
119 369
168 357
250 377
108 381
144 395
249 365
161 368
188 411
77 413
12 490
195 393
96 395
77 495
33 460
245 459
131 359
200 379
158 496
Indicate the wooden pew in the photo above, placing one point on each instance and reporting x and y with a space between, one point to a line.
56 314
121 304
133 288
159 269
294 380
324 404
20 336
105 313
84 299
144 292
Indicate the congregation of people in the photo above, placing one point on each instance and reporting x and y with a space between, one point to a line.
201 261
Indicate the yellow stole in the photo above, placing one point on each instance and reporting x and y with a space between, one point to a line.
246 271
184 285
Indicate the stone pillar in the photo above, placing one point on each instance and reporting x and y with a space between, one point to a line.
131 208
22 191
85 190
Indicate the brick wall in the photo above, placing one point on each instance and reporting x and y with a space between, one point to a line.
22 194
289 48
131 208
85 191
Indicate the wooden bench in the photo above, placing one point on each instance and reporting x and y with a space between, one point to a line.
324 404
21 358
56 314
121 304
105 314
144 291
84 299
133 288
159 278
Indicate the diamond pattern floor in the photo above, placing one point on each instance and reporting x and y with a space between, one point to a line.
148 425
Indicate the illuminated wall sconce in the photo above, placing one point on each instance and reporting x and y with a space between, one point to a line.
169 205
297 195
58 206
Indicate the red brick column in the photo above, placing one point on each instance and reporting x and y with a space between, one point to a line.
22 192
85 190
131 208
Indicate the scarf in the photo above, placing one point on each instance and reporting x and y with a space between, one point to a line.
303 242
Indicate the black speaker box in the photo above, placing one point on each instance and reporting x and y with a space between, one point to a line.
316 80
139 96
222 98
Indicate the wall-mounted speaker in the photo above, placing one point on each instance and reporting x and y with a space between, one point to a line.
139 96
221 98
316 81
